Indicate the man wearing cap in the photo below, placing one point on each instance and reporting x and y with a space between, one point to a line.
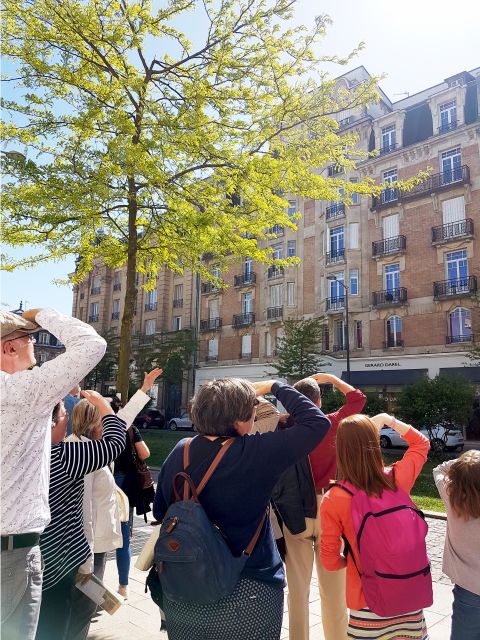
28 396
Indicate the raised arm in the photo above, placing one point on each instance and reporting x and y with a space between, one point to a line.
354 399
130 411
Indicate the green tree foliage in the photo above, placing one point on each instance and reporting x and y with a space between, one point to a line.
170 351
144 148
299 351
443 399
106 369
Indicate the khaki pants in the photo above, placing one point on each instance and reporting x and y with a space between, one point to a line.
302 549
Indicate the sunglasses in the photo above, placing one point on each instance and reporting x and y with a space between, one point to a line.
29 336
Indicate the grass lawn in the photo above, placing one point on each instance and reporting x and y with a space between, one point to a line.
424 492
161 443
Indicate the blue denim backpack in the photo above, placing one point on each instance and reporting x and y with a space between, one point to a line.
193 560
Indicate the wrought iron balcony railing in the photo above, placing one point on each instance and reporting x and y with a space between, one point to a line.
275 272
93 318
455 287
117 286
243 320
274 313
459 339
245 279
115 315
335 211
388 148
389 297
209 287
150 306
212 324
95 291
335 304
384 247
178 303
452 231
335 256
447 126
392 343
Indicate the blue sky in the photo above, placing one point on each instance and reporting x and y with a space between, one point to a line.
417 44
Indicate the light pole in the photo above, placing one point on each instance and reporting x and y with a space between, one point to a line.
347 334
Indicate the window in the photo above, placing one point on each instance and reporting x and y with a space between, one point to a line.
276 295
246 346
388 139
115 306
213 309
177 323
460 325
353 228
354 194
268 344
213 349
391 226
336 288
43 358
216 272
453 210
451 162
291 294
334 170
394 332
93 312
278 251
357 325
152 297
456 267
150 327
117 283
178 292
337 241
354 282
291 248
292 208
391 274
448 116
43 338
389 177
247 302
95 285
248 269
340 336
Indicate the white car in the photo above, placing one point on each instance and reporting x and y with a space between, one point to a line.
442 438
182 422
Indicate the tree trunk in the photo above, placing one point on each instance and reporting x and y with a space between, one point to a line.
130 296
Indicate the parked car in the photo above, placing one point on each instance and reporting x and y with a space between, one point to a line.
152 418
182 422
442 438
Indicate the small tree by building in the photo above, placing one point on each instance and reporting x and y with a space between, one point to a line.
299 351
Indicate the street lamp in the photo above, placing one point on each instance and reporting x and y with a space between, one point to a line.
347 337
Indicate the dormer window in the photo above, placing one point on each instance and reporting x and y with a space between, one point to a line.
448 116
389 139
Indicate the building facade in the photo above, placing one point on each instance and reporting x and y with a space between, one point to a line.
409 261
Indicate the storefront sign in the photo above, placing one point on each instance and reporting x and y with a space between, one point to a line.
382 364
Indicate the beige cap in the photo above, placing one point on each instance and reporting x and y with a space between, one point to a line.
12 322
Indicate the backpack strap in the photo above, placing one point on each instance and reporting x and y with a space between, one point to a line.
251 545
347 546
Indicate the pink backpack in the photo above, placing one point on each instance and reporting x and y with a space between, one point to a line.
391 533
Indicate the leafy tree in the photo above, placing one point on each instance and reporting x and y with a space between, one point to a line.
299 351
441 400
106 368
332 400
145 148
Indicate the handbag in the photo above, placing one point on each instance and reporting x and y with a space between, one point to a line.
122 504
144 476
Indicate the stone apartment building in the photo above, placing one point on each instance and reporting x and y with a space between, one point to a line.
409 262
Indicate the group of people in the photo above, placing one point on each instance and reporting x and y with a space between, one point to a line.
68 495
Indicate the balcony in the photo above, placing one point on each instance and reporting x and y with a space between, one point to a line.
452 231
388 148
438 182
117 286
150 306
243 320
459 339
115 315
274 313
335 256
95 291
335 304
339 347
455 288
211 358
275 272
93 318
212 324
387 198
245 279
386 247
209 287
445 127
178 303
393 344
389 298
335 211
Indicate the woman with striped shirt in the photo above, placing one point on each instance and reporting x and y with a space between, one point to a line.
63 543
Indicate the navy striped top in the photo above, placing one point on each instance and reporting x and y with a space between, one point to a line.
63 543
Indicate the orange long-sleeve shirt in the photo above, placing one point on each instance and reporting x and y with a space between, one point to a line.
336 517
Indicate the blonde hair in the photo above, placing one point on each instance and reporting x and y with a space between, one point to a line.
85 418
463 486
359 457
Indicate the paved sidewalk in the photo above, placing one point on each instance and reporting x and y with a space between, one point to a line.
139 618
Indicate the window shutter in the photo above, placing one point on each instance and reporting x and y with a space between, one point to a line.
391 226
213 309
246 344
353 231
453 210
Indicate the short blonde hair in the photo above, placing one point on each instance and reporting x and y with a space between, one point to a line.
85 418
463 487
